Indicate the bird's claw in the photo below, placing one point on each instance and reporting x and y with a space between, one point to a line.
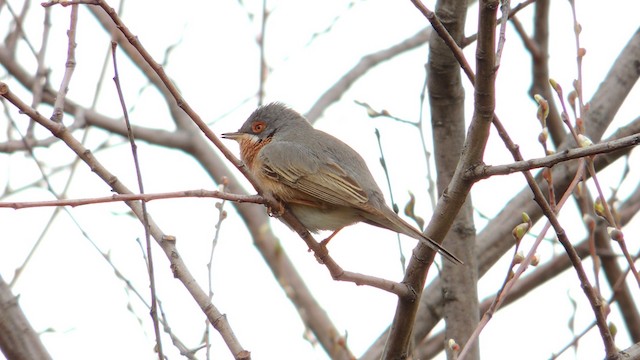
277 210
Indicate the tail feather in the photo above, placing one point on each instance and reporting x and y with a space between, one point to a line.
395 223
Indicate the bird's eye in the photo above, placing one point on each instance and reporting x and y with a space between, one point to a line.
258 126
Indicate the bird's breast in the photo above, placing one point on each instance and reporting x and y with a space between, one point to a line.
250 148
250 154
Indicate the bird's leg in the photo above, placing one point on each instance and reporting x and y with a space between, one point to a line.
326 241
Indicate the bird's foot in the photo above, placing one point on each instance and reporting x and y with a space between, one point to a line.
275 208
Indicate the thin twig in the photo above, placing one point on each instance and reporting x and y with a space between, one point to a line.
394 206
184 351
619 283
547 211
65 3
263 60
41 71
11 40
199 193
503 293
505 8
167 243
580 52
486 171
431 188
613 223
320 251
538 196
143 204
46 179
470 39
70 65
528 42
222 214
446 37
366 63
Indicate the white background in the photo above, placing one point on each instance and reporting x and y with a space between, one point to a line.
70 292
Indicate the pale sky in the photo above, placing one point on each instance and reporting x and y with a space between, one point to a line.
70 291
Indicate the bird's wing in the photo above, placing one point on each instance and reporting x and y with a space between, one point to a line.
322 179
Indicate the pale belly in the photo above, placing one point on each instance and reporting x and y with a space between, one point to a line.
315 219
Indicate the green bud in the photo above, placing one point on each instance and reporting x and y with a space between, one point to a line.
584 141
520 230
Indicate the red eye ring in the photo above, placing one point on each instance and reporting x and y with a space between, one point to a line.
258 126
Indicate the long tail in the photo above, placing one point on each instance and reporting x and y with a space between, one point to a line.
395 223
439 248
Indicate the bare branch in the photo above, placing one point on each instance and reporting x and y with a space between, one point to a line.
70 66
485 171
143 206
255 199
19 340
334 93
218 320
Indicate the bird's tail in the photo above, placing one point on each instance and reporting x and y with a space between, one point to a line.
394 222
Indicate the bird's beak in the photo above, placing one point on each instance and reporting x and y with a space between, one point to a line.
233 136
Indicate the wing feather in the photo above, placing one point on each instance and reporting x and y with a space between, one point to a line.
321 179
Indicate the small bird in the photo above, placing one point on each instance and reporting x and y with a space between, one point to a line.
324 182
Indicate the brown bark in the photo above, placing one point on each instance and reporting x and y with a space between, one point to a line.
19 341
446 100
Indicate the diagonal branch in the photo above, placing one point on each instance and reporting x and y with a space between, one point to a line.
167 243
335 92
189 139
448 126
456 193
605 103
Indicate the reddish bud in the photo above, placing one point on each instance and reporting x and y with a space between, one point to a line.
544 135
554 84
589 222
535 260
615 234
582 52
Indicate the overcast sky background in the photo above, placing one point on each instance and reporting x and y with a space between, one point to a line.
71 291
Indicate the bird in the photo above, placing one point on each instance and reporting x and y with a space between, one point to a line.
323 181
